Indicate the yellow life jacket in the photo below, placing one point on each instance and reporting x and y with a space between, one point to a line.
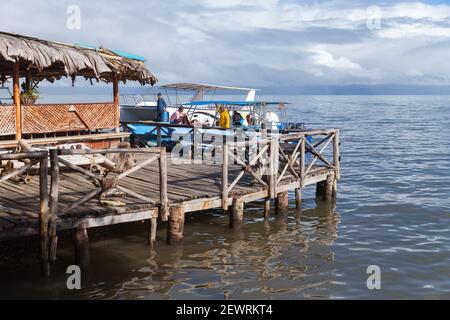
224 120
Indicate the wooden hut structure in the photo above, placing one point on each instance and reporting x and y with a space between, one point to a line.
34 60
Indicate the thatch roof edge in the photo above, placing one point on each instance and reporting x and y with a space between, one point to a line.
52 60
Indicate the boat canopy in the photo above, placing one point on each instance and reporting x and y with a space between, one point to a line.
233 103
203 87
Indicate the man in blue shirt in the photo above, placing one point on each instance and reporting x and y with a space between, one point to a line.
160 107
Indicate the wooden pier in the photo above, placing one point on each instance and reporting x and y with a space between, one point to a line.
151 184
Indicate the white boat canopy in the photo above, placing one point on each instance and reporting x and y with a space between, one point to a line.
201 89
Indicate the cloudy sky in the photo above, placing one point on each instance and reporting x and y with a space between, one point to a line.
258 42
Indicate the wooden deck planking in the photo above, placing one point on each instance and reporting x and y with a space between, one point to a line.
198 187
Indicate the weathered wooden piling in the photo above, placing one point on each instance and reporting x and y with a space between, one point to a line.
237 213
153 225
81 243
328 189
335 187
54 194
298 198
320 189
282 203
43 216
266 208
225 165
175 227
164 206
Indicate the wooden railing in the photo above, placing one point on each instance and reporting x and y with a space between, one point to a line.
46 219
295 147
296 157
109 182
255 159
51 210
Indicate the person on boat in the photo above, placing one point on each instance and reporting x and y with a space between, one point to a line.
250 120
179 117
224 117
237 119
160 107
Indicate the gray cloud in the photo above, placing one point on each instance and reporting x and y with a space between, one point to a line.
258 42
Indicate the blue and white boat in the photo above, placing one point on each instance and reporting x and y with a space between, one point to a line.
138 114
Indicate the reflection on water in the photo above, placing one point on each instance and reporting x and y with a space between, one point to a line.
392 211
288 256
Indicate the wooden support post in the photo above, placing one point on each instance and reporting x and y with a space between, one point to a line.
152 231
320 189
175 227
225 177
116 100
335 187
302 161
337 155
328 194
54 192
43 216
267 208
273 170
298 198
237 213
282 203
16 98
164 198
81 241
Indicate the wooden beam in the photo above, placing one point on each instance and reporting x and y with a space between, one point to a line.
302 161
163 193
273 168
16 98
337 155
225 177
54 201
43 217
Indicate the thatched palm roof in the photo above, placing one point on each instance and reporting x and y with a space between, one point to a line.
50 60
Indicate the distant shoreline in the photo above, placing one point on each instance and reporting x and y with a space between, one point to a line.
385 90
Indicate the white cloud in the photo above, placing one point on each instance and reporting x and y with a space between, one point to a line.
403 30
242 42
417 10
321 57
